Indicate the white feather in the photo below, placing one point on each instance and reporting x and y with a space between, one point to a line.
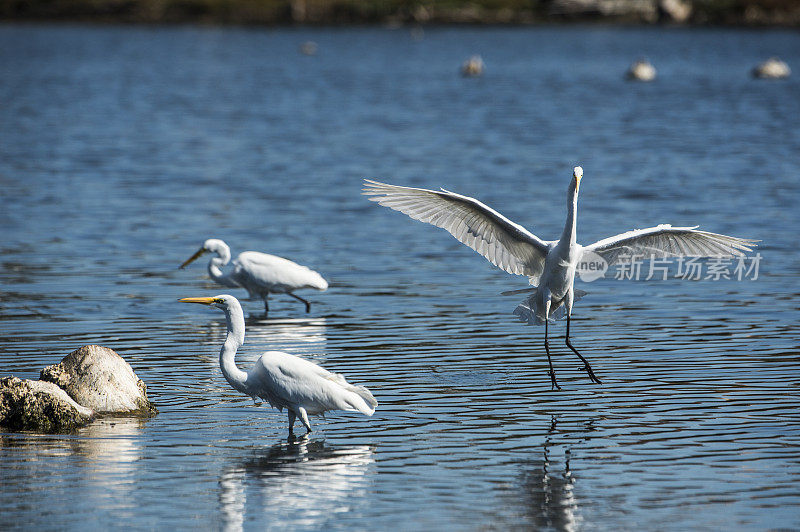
505 244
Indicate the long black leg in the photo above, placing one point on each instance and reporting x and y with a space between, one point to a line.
308 305
549 361
587 367
266 306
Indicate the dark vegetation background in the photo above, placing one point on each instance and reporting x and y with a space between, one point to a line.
333 12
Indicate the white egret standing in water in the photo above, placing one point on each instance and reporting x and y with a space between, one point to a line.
258 273
281 379
549 265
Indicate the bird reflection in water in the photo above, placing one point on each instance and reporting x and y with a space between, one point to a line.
548 490
302 337
298 484
288 334
287 331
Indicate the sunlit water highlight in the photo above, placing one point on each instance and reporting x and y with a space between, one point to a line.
122 149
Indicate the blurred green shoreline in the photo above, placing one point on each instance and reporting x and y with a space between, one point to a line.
407 12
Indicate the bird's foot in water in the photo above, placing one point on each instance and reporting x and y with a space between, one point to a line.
591 374
553 382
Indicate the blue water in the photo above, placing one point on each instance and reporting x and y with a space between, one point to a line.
122 149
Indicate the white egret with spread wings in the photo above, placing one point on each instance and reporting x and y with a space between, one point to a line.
281 379
549 265
258 273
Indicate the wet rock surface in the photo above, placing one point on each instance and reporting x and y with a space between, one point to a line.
90 381
39 406
98 378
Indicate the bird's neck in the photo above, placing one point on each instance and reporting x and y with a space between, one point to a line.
215 271
235 338
569 234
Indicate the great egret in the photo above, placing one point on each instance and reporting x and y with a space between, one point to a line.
258 273
550 265
281 379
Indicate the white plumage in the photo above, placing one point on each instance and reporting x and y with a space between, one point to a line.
667 241
284 380
259 273
550 265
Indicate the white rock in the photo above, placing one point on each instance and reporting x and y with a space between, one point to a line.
642 70
772 68
98 378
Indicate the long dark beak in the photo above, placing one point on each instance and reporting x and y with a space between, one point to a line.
192 258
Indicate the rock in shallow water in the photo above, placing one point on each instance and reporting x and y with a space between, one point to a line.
772 68
40 406
641 70
100 379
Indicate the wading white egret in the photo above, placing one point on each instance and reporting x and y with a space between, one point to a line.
550 265
258 273
281 379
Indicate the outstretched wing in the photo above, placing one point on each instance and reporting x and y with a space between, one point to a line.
665 240
507 245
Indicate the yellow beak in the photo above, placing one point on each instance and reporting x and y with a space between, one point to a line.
201 300
193 257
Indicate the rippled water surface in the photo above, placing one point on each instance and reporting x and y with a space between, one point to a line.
122 149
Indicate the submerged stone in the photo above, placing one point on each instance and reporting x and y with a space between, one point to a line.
100 379
39 406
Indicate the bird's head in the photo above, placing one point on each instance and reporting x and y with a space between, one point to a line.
222 301
577 174
212 245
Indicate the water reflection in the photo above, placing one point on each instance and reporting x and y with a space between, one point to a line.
111 449
547 487
110 444
107 452
293 335
287 330
306 338
301 483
